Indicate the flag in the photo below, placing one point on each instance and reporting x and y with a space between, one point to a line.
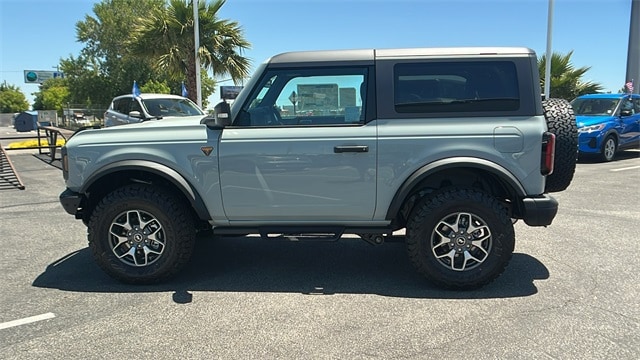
135 90
185 93
629 86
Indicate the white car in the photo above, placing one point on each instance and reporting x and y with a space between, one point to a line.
128 109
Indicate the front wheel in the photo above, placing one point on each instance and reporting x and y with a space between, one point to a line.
460 238
609 148
141 234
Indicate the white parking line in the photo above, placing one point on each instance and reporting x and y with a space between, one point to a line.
627 168
27 320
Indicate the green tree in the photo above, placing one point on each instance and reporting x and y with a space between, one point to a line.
86 81
165 34
53 95
12 100
566 80
155 87
105 67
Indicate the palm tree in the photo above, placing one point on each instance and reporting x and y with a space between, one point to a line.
566 80
166 35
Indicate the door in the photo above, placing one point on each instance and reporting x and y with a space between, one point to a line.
629 124
301 150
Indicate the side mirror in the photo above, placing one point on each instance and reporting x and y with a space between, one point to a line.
135 114
221 116
626 112
222 113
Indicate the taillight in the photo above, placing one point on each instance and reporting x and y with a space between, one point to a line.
548 153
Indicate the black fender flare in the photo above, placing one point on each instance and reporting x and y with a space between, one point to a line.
427 170
161 170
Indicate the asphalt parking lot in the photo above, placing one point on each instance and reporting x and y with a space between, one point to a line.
570 291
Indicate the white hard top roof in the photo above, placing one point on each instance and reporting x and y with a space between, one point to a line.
372 54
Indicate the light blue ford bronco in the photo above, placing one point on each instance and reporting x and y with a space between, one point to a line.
453 145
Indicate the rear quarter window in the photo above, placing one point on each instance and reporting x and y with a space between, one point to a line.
456 87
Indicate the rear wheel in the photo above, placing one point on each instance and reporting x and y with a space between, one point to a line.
460 238
609 148
561 121
141 234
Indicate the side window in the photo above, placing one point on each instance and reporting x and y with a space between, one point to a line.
636 105
632 105
627 104
314 97
135 106
122 105
467 86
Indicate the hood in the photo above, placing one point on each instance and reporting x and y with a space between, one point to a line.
184 128
584 120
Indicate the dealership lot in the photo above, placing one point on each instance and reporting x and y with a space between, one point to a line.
570 290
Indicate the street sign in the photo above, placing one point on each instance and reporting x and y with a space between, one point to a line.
293 98
229 92
40 76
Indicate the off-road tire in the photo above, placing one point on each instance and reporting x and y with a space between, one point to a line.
173 217
562 122
428 215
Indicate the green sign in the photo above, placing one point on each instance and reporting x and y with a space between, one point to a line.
40 76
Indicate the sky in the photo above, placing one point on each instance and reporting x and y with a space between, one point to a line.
36 34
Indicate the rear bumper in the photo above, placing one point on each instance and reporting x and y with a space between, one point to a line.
540 210
71 201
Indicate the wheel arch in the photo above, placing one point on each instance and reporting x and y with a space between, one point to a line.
124 172
430 173
611 132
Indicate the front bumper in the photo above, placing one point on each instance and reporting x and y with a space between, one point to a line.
540 210
589 142
71 202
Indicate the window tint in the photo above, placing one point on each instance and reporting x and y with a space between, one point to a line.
324 96
122 105
470 86
594 106
135 106
171 107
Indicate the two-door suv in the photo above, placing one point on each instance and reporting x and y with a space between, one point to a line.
451 144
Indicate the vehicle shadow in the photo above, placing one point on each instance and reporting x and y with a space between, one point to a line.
620 156
56 163
248 264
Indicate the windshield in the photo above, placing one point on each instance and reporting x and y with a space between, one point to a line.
595 107
171 107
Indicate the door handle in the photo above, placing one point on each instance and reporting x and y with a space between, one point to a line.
351 148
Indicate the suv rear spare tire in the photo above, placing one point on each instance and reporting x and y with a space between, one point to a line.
562 122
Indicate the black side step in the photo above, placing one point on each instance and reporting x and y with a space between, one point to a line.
302 233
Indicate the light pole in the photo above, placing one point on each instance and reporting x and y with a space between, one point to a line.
633 53
547 68
196 40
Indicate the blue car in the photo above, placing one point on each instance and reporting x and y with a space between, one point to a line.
607 123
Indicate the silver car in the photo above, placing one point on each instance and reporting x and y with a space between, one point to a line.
127 109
